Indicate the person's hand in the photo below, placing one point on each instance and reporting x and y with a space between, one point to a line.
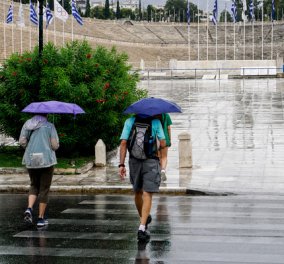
122 173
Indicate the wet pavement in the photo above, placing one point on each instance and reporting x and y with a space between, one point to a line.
237 132
102 229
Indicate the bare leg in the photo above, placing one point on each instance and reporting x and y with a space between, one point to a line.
31 200
139 202
42 207
146 207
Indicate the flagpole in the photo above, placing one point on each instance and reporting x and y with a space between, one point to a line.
253 39
188 28
54 32
207 27
63 25
188 37
46 28
216 32
4 31
13 45
272 28
20 21
244 52
72 27
30 35
198 30
225 31
262 30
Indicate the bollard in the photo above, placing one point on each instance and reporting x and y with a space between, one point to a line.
185 150
100 152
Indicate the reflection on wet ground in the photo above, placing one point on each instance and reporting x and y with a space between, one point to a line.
237 132
103 229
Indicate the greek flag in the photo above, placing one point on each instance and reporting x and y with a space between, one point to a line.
48 15
33 14
251 9
76 14
215 13
234 11
9 18
273 10
188 13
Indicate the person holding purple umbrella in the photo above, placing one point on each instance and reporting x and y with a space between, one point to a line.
40 140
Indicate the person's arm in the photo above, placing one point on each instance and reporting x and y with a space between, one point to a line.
54 140
163 153
122 155
170 135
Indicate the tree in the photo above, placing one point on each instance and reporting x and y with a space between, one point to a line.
150 10
127 13
177 8
106 10
223 16
66 5
99 80
140 11
88 9
98 12
118 13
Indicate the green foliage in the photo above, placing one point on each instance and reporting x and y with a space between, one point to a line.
88 9
107 10
98 80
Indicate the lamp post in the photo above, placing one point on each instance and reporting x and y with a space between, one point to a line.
40 31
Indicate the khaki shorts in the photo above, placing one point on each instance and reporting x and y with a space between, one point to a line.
145 175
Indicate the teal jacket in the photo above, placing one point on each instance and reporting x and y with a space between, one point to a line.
40 139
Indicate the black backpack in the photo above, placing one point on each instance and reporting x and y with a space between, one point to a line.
141 144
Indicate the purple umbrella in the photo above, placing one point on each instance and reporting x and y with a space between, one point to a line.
152 106
53 107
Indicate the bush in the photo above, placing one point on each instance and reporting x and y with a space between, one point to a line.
98 80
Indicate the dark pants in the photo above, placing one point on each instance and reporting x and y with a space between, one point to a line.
40 182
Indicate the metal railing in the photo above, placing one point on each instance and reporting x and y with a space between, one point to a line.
211 73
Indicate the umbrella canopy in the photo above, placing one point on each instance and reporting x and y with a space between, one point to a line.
53 107
152 106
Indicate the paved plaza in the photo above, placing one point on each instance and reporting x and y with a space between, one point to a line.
237 135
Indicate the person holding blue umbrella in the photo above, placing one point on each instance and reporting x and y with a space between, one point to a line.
139 136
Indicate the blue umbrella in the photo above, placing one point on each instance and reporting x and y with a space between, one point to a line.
152 106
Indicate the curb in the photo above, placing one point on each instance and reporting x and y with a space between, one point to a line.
57 171
73 189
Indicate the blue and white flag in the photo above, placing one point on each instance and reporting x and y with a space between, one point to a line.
273 10
234 11
188 13
33 14
48 15
76 14
9 18
214 18
251 10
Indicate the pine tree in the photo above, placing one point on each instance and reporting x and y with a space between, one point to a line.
106 10
88 9
140 12
118 14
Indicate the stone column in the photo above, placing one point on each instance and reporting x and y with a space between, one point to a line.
100 153
185 150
